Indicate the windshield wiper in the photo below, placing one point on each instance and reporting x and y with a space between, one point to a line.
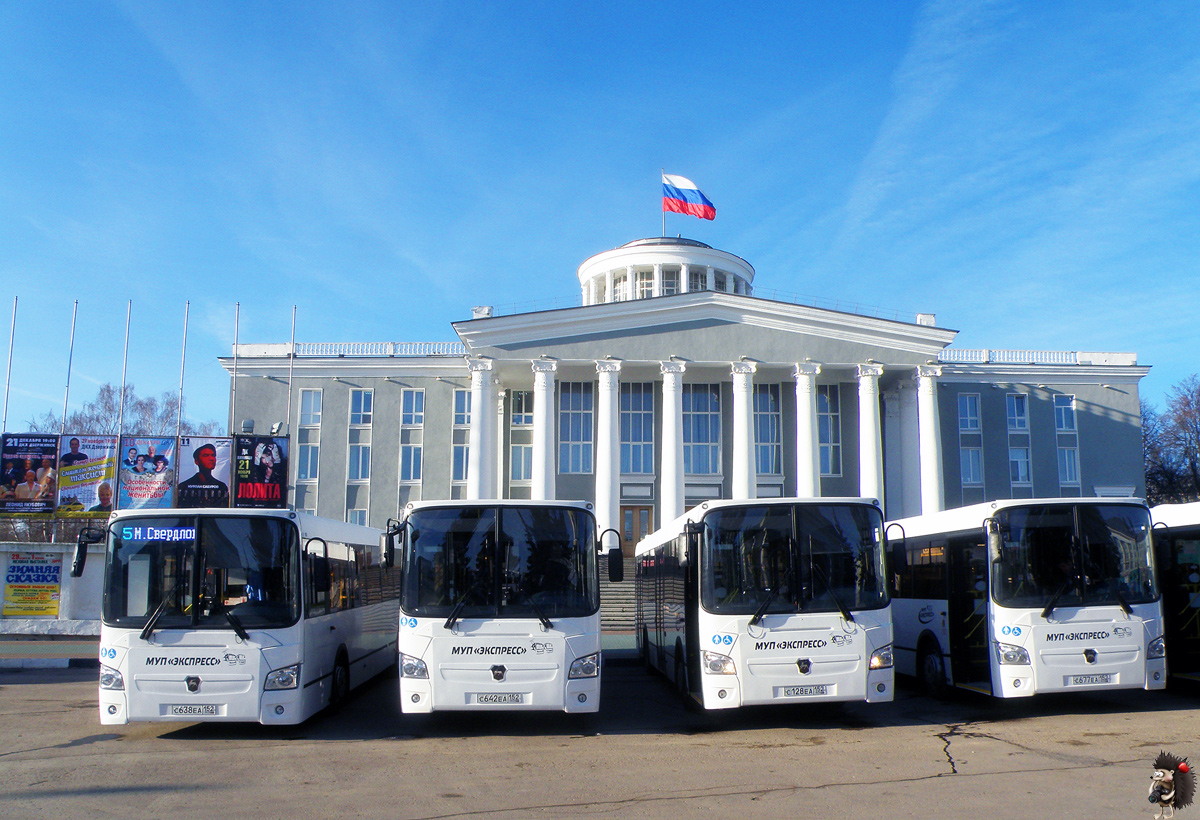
846 616
462 602
762 608
234 621
148 629
1054 598
541 615
1124 602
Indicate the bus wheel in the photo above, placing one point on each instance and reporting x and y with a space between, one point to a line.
341 682
931 671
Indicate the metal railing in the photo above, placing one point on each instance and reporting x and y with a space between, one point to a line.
333 349
952 355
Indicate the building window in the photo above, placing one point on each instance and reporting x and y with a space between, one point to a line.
829 429
768 430
1018 465
412 434
1068 466
971 461
310 408
1064 413
670 281
522 408
360 406
521 463
360 455
358 517
645 283
621 287
575 427
719 281
702 429
697 279
637 428
460 436
968 412
1018 411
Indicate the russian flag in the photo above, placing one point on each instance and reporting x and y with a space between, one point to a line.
681 196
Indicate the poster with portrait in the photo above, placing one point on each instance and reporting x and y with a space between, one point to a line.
147 471
205 465
30 474
260 470
87 476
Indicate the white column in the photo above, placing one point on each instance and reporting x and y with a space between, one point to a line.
929 432
745 473
501 450
671 470
608 445
481 460
608 286
542 488
684 278
657 279
711 277
910 468
870 441
808 447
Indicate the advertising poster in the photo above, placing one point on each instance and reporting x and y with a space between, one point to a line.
205 465
87 476
147 470
30 465
32 584
260 470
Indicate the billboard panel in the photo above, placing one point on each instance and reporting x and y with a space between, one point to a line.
205 465
87 476
260 472
30 479
147 473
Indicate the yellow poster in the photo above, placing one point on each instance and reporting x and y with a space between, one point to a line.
33 584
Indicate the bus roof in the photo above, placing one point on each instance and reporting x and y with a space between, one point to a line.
413 506
969 518
310 525
669 531
1176 515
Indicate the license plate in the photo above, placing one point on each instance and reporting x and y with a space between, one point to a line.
1090 680
805 691
201 709
514 697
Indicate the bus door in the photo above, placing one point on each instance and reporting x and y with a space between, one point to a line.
1179 571
970 659
320 639
691 607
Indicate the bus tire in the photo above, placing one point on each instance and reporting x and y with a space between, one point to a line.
931 670
339 688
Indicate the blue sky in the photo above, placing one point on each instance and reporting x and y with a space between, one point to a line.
1030 172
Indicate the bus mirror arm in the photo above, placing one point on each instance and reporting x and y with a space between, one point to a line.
87 537
616 564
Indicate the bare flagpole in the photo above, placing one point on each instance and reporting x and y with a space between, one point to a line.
8 378
237 311
664 173
182 359
124 368
291 361
62 430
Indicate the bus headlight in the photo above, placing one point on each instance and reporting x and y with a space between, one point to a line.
881 658
717 664
286 678
586 667
1012 655
111 679
411 667
1157 648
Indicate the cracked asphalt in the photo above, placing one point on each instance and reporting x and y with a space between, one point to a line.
644 755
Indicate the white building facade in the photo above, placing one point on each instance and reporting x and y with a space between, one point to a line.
672 383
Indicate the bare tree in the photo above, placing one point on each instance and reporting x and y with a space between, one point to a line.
1171 445
148 416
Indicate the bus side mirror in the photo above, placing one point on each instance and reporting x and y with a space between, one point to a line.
320 573
899 557
387 544
616 565
992 528
87 537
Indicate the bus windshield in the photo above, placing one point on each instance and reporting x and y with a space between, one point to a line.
201 570
785 558
1074 555
507 562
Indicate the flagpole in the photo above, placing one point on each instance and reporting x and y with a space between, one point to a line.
8 378
182 359
664 233
124 369
237 311
291 362
62 430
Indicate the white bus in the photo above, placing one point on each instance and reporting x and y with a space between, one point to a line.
1015 597
500 606
768 601
1177 544
238 614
